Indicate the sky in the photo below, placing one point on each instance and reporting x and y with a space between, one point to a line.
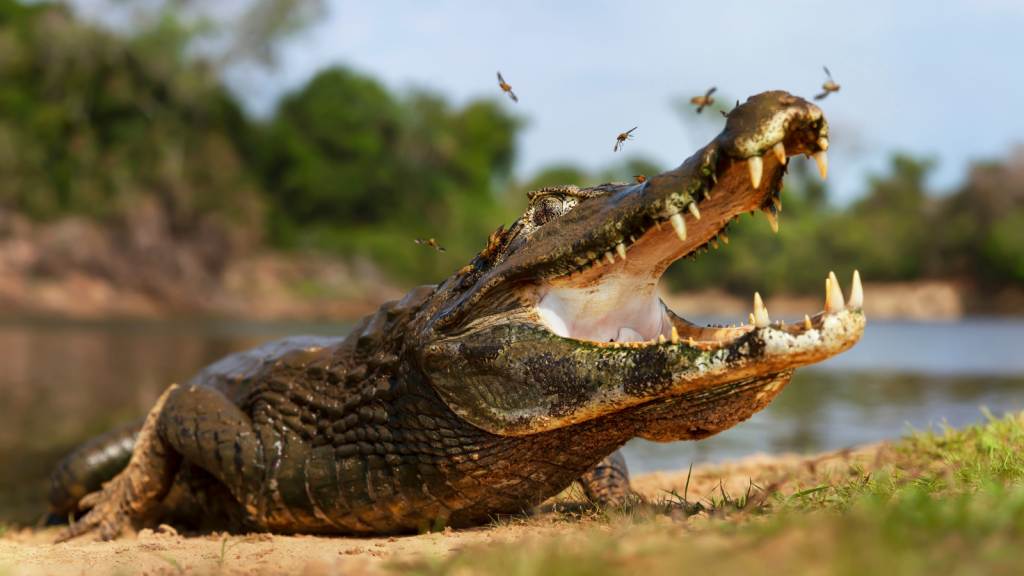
932 79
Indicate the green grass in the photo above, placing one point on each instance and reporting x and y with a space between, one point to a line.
940 502
224 548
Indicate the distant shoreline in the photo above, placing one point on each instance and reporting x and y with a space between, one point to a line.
923 300
77 268
262 293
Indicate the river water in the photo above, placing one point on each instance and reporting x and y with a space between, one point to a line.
62 382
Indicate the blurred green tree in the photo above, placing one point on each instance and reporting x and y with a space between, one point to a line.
887 234
350 168
96 124
977 235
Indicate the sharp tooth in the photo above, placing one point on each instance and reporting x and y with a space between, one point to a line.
823 143
724 235
620 249
675 335
856 293
822 161
780 153
690 342
658 224
751 319
693 210
778 202
772 216
807 322
597 263
679 225
714 178
828 291
760 313
756 167
835 301
714 242
632 239
611 259
661 338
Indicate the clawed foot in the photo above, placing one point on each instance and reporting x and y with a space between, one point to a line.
108 513
134 493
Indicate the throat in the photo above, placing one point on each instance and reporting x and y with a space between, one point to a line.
617 308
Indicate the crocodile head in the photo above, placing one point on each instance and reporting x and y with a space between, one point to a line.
558 320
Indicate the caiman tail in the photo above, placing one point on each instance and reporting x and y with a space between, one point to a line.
86 469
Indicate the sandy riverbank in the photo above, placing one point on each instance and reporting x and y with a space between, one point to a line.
24 553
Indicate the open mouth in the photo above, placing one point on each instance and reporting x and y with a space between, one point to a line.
612 300
559 321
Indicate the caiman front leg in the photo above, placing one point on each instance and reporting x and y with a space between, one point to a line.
138 490
195 424
607 483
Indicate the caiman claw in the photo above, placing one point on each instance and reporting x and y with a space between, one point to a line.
134 493
106 514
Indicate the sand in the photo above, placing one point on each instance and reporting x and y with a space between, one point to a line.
29 553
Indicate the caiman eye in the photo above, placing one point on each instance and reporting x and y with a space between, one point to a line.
548 210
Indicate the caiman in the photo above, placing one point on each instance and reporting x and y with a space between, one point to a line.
486 394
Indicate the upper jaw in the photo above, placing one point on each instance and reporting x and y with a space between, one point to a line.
641 229
674 213
636 232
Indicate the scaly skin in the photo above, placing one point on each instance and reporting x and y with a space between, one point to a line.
488 393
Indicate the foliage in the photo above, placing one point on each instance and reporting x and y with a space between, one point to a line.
95 124
102 125
349 167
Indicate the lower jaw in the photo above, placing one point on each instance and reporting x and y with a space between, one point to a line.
659 325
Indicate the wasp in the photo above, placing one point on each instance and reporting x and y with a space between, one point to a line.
506 88
621 140
640 178
702 101
431 242
828 87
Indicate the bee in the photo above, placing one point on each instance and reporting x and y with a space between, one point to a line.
702 101
506 88
829 86
640 178
431 242
621 140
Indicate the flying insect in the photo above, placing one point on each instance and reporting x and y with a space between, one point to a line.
702 101
828 87
620 141
430 242
505 87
